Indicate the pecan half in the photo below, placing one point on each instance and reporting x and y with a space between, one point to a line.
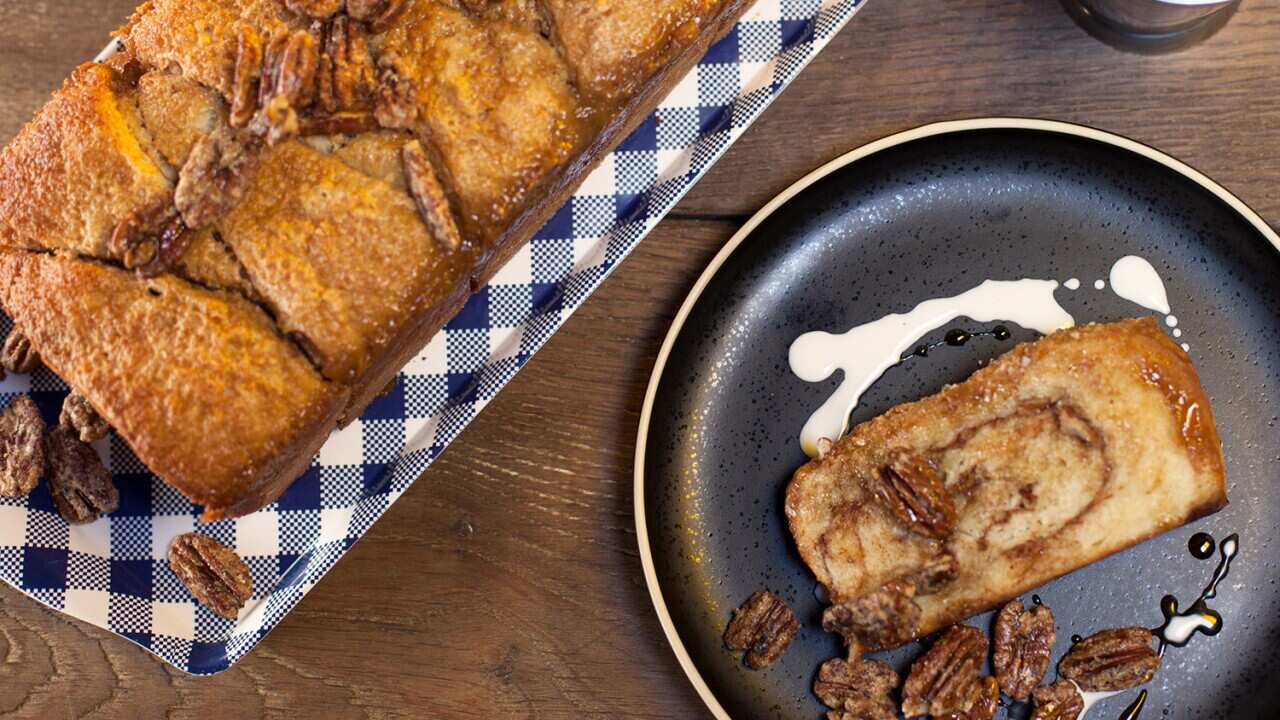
987 703
151 238
763 626
287 85
78 415
379 15
1023 644
17 355
215 177
346 76
395 105
214 574
80 484
878 620
314 8
1059 701
245 77
911 488
840 681
428 195
1115 659
21 447
945 679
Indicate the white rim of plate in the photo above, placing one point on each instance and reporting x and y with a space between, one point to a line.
924 131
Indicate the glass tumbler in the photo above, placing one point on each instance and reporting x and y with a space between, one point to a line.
1151 26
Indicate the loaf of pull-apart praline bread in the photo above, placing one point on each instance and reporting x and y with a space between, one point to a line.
232 234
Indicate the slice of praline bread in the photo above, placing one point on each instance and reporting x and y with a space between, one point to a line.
198 382
1059 453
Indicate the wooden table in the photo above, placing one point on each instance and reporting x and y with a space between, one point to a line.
507 582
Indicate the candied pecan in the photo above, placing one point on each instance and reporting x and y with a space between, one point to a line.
841 680
429 195
911 488
151 238
935 574
1115 659
379 15
343 123
287 85
881 619
945 679
314 8
245 77
215 177
395 105
986 704
80 484
1023 644
21 447
1059 701
346 76
214 574
17 355
475 6
78 415
763 626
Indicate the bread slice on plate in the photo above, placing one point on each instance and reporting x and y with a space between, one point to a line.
1056 455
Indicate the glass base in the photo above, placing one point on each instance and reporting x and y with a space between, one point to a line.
1147 43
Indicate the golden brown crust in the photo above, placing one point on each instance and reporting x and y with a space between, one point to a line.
1059 453
496 102
177 113
342 259
197 382
75 170
615 47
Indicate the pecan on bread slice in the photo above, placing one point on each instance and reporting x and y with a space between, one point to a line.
1056 455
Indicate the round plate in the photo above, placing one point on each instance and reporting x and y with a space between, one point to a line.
927 213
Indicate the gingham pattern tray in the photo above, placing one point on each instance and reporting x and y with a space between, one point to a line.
113 573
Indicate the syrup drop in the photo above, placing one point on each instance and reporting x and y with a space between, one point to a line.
957 337
1201 546
1135 707
1075 639
1035 599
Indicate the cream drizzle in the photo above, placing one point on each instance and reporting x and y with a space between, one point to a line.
864 352
1135 280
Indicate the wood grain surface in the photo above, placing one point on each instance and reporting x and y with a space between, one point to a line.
506 583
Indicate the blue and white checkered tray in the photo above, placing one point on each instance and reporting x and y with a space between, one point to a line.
113 572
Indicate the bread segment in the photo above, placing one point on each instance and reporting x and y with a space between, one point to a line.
615 47
341 258
78 167
1058 454
494 99
197 382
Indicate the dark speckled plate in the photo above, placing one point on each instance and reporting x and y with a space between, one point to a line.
928 213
